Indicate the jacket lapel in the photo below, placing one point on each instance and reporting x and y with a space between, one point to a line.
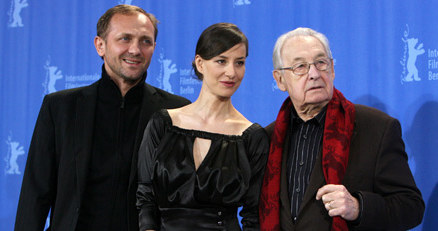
285 210
149 106
316 181
83 133
353 146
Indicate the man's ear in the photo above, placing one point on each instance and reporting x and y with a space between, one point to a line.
279 78
332 67
99 43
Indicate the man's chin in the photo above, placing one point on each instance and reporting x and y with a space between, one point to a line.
132 78
318 99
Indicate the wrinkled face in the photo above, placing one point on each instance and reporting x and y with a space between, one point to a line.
223 74
128 47
313 88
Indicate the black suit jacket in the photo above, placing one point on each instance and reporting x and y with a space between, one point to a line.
58 159
377 173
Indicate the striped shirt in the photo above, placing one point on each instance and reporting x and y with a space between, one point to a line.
306 140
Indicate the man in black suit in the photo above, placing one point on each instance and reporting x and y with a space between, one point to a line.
83 155
333 165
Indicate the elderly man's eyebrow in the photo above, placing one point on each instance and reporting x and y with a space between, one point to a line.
320 55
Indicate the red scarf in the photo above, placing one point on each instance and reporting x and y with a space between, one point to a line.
338 128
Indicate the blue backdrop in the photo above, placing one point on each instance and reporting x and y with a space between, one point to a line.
386 56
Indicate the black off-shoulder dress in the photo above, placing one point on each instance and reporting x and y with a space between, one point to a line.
174 195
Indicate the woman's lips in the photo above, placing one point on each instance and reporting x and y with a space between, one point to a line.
228 83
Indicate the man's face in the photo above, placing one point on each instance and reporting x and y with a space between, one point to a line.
128 47
313 88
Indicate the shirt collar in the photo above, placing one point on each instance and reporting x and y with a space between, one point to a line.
109 92
319 119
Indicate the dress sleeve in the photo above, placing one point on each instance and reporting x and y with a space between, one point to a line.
396 202
149 217
257 146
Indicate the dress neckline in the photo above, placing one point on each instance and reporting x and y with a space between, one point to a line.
201 133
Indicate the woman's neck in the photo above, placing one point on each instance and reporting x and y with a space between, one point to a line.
211 107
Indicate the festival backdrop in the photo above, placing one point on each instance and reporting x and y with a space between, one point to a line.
385 52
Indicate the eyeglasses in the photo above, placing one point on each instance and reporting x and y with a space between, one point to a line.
321 64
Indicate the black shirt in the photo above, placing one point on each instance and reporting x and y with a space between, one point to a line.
104 205
306 140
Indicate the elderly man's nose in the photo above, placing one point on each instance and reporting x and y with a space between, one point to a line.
314 72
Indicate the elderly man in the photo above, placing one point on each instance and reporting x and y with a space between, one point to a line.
82 161
333 165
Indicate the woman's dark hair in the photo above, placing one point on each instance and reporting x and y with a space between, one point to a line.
217 39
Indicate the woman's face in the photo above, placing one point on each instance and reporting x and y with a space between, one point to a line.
223 74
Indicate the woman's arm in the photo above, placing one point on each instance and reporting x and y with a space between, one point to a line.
257 149
149 217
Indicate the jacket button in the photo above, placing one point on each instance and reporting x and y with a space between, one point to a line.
219 213
219 223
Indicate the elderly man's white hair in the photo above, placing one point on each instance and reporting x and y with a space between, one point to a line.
300 31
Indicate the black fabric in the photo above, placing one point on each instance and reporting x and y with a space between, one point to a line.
58 161
116 121
306 141
173 195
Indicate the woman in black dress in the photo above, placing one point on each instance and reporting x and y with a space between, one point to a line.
199 163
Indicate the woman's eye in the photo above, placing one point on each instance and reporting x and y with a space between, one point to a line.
240 63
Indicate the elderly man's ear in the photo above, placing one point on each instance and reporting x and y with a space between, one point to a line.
279 78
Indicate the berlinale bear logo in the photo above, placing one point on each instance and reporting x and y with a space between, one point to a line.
53 74
14 13
412 51
14 151
166 69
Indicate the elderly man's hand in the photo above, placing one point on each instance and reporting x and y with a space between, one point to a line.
338 201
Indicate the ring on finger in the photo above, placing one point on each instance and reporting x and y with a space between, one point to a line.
330 205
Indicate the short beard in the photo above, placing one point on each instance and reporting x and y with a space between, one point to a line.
129 79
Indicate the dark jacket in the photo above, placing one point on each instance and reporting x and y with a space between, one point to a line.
377 172
59 156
